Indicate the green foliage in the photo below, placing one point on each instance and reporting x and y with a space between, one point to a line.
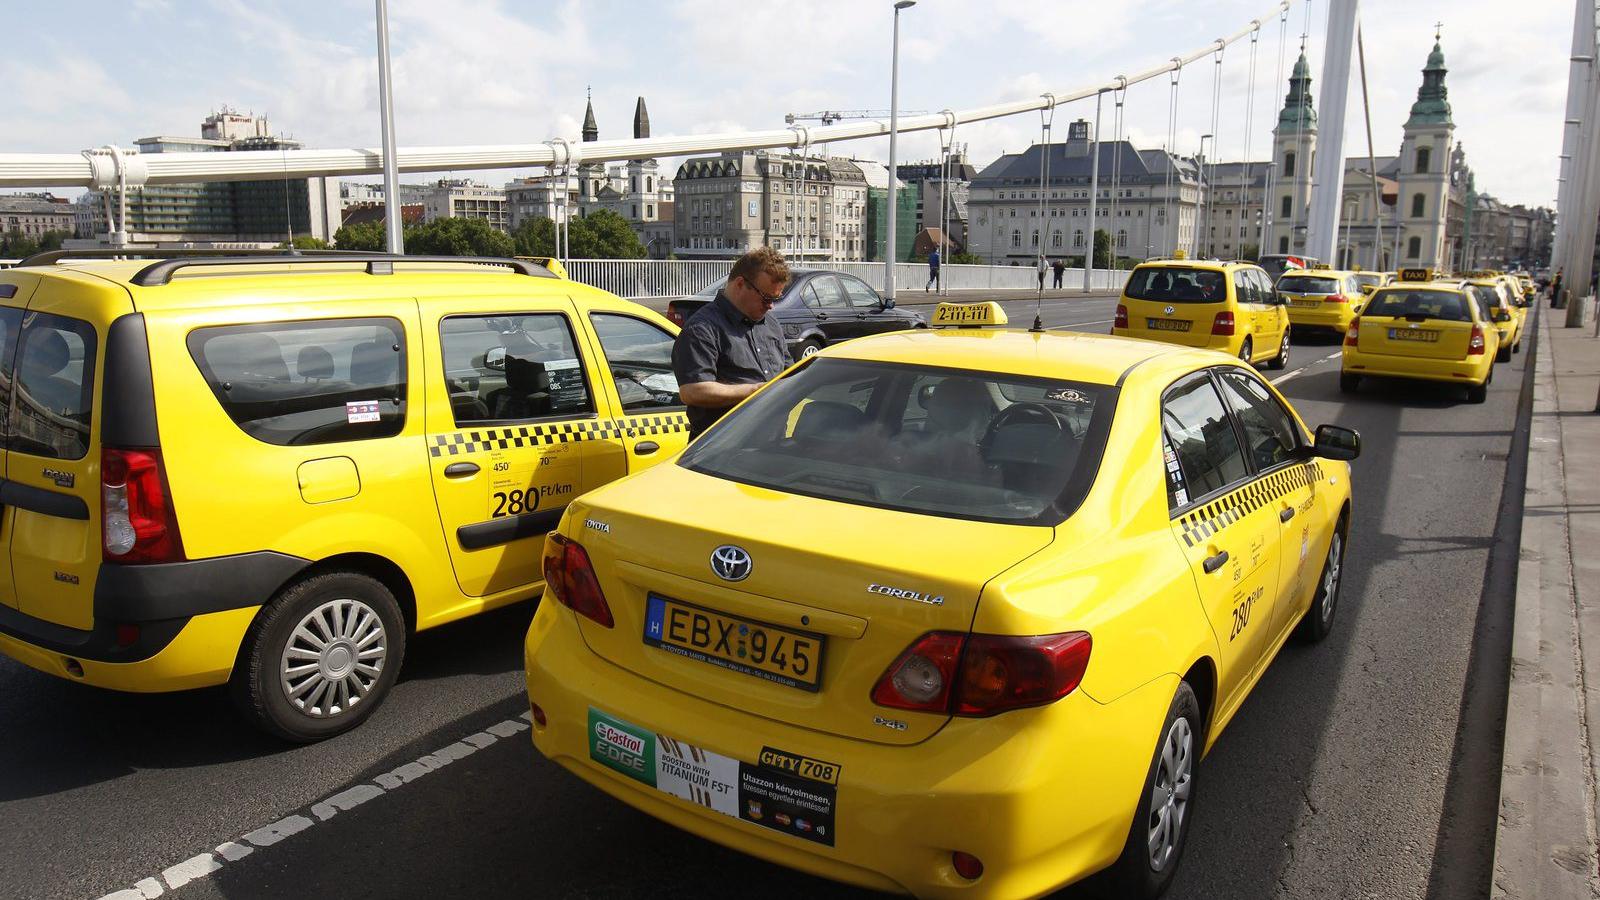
367 236
305 242
16 245
965 259
600 235
457 237
1250 252
535 237
1102 249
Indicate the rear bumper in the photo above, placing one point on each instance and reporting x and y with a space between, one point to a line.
1200 341
199 652
1007 789
1455 371
1335 316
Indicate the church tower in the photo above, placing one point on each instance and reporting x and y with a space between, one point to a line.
1294 142
644 178
591 175
1424 176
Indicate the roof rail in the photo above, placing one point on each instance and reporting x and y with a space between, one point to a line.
160 273
51 257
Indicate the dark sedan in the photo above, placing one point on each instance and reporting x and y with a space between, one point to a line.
819 307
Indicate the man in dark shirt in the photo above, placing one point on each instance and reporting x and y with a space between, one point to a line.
731 346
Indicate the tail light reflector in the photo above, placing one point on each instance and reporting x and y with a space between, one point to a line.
1353 333
1336 298
570 576
674 314
1223 323
966 865
1475 345
1121 319
980 675
137 521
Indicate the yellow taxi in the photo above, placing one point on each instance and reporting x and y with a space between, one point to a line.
1370 281
1497 297
954 612
1425 330
1227 306
1323 299
271 472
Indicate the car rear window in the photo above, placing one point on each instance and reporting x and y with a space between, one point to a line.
1489 299
1369 280
1307 284
1399 302
52 392
1177 284
311 382
941 442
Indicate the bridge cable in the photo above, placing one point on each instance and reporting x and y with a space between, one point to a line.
1244 159
1171 161
1047 117
1269 194
947 138
1117 119
1094 191
1208 167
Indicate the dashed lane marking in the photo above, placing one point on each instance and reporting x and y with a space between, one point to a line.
1295 373
204 864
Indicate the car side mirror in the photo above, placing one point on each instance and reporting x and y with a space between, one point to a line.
888 302
1337 442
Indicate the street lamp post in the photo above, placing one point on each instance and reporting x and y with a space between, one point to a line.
1205 195
393 227
894 128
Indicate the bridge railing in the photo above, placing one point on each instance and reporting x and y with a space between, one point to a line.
639 279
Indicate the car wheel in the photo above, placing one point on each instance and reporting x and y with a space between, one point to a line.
1517 347
1503 354
320 657
1246 350
1281 361
1349 384
1154 848
1477 393
1318 620
807 348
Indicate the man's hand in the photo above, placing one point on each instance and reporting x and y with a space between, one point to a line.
715 394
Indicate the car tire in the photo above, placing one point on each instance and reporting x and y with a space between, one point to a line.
312 643
1281 361
807 348
1503 354
1349 384
1318 620
1166 801
1247 350
1517 347
1477 393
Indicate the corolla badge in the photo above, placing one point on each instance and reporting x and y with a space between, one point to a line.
731 563
1170 310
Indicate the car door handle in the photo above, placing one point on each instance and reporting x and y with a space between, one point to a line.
1214 563
1287 514
861 315
460 470
822 315
645 448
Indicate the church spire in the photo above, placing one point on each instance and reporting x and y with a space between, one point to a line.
641 121
591 130
1433 103
1297 112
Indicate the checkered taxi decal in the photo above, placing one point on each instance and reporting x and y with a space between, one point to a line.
1200 524
477 440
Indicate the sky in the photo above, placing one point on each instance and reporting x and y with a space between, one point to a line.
85 74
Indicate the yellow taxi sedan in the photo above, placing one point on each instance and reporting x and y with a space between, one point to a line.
1496 298
1423 330
954 613
1324 299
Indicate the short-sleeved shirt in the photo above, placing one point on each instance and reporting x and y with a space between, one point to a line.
719 343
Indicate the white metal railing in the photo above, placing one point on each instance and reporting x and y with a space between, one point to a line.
640 279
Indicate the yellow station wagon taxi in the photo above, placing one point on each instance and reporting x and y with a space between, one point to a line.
271 472
1497 298
954 612
1227 306
1325 299
1424 330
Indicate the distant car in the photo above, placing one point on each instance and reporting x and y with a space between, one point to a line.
1278 263
1321 298
818 308
1423 330
1227 306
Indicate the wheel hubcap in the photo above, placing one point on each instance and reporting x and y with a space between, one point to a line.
1244 350
1330 578
810 350
1283 348
1169 796
333 658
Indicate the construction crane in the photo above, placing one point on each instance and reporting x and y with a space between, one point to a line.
830 116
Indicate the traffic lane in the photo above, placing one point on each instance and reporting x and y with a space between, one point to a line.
1331 780
141 782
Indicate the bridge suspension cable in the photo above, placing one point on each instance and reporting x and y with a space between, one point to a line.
94 169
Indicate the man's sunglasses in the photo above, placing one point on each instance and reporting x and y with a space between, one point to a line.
752 286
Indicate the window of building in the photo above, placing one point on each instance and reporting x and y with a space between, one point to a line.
1288 163
1288 206
1424 158
1122 238
1418 201
1283 244
751 209
1035 240
1016 239
1414 248
1077 238
1055 239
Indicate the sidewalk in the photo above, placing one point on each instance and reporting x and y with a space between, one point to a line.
1546 843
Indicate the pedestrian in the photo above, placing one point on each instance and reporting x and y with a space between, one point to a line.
1059 266
933 270
1555 290
1039 267
732 346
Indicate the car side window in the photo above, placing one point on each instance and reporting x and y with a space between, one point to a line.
1269 432
1202 435
310 382
830 295
1263 285
808 296
861 296
54 402
639 355
10 326
513 368
1244 288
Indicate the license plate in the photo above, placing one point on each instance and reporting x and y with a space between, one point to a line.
1413 334
781 655
1307 304
1167 324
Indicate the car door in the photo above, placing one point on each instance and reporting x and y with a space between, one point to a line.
15 290
1228 534
871 316
1277 312
1252 313
642 393
836 318
511 411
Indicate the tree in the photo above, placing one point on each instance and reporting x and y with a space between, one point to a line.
600 235
306 242
457 237
1102 249
16 245
535 237
1250 251
613 237
361 236
963 258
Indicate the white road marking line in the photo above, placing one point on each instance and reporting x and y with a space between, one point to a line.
1079 324
1297 372
204 864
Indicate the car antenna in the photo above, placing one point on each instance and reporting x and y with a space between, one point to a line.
1038 306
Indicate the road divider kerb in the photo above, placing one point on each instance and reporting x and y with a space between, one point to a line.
203 865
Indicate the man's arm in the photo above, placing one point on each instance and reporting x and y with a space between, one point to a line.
694 362
715 394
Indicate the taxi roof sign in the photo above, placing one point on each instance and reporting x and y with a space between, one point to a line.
1416 275
969 315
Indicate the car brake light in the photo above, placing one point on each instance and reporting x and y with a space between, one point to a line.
137 521
1354 332
674 315
1223 323
1336 298
1475 346
1121 319
571 577
983 674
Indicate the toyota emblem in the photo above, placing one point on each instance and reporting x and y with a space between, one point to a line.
730 563
1170 310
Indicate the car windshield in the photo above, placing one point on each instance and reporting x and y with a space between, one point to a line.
1367 281
943 442
1307 284
1433 304
1177 284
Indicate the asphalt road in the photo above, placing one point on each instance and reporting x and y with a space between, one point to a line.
1366 766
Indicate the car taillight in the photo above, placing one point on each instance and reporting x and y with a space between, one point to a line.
674 315
1121 319
1222 324
569 575
137 521
1475 345
1336 298
983 674
1351 335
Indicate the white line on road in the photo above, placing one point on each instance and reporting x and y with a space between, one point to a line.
204 864
1297 372
1080 324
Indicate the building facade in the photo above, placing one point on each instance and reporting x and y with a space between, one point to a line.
634 190
464 199
34 215
811 208
934 179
